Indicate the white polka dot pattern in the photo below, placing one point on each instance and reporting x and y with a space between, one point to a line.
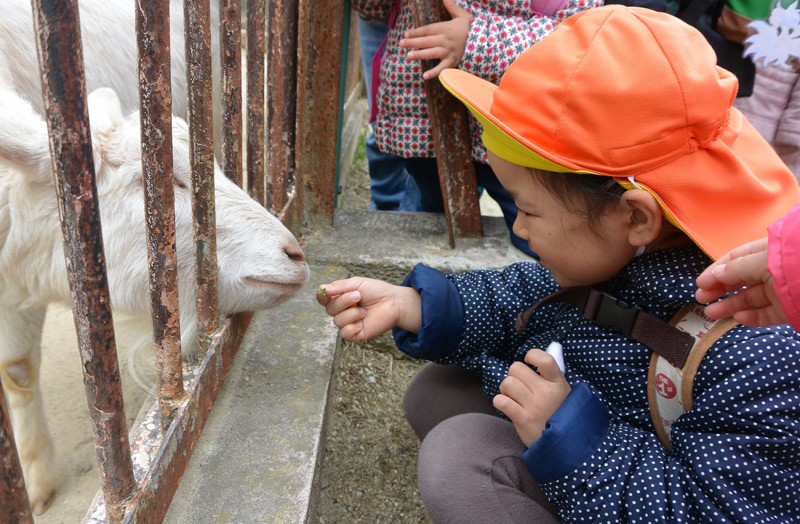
736 454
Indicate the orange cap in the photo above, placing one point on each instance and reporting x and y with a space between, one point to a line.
629 92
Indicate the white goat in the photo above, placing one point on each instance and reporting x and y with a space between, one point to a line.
108 35
260 262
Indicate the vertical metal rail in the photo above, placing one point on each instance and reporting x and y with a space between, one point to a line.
281 102
231 60
320 28
255 100
452 143
14 503
167 453
155 96
201 144
57 26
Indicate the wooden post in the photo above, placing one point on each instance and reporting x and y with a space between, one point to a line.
452 143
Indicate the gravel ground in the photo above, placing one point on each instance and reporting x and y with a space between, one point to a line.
369 469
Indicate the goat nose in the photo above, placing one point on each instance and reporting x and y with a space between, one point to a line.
295 253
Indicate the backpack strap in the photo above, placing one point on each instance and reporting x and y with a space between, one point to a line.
678 346
612 313
669 388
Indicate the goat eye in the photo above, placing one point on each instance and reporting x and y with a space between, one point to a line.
180 184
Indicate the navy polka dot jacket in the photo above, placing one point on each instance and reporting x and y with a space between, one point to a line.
736 453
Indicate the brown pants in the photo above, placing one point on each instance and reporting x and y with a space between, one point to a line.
470 468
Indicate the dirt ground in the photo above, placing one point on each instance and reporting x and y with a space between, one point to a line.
369 469
68 416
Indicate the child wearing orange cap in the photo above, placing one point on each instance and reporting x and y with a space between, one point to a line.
617 139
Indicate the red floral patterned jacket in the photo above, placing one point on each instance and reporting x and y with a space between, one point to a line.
499 32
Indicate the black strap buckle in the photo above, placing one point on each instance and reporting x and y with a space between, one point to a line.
613 313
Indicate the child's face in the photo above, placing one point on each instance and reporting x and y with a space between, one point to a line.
575 253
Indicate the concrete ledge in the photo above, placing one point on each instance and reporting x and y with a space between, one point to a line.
388 244
257 457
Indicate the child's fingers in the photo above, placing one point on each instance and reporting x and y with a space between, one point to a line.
325 292
747 269
322 296
352 332
708 292
508 407
742 263
433 53
349 316
751 298
454 9
343 302
425 30
545 364
422 42
515 385
434 72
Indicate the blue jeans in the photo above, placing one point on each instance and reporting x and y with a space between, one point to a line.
391 189
426 174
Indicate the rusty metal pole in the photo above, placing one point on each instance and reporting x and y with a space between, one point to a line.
14 504
319 65
231 61
197 16
256 183
452 142
281 102
57 26
155 103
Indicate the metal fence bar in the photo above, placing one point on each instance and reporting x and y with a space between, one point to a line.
14 503
281 101
320 41
169 451
201 143
155 100
231 60
452 143
57 26
255 99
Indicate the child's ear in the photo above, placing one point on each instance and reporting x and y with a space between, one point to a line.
646 219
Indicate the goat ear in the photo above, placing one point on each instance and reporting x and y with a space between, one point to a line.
105 119
105 111
24 144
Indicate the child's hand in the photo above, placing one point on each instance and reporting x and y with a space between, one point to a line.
529 398
444 41
744 269
363 308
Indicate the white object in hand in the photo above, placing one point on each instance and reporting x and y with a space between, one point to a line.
556 350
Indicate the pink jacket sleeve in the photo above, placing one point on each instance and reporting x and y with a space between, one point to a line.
784 263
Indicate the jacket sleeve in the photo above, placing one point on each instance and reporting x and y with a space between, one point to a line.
784 263
469 317
734 456
495 40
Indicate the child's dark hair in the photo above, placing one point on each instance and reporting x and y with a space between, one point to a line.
585 195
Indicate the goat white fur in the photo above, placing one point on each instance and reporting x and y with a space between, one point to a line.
108 35
260 262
